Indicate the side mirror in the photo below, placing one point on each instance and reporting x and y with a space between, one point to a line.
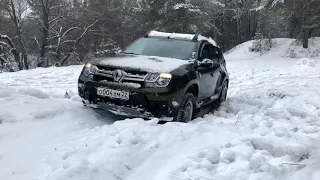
207 63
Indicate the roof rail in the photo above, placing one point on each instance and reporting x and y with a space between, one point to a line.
195 38
147 35
170 35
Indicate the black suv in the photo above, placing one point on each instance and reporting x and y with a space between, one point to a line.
166 75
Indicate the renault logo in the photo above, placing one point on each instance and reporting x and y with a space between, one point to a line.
118 75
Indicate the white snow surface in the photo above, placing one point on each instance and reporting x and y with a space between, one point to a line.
147 63
269 128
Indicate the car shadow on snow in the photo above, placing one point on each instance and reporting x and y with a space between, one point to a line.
106 116
111 118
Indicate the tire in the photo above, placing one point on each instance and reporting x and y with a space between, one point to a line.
222 97
187 109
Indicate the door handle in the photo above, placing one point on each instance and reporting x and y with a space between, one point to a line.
212 74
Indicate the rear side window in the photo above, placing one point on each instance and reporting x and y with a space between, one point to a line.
213 53
205 52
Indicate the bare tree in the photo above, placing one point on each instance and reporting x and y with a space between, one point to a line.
8 51
58 40
16 9
76 42
44 10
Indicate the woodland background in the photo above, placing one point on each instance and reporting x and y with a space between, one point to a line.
43 33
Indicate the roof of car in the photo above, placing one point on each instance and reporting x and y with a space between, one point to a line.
194 37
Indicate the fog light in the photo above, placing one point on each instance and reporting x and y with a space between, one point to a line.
175 104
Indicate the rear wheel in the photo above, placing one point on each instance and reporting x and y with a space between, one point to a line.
223 96
224 92
187 109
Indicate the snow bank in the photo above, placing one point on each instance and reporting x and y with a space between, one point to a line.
305 63
41 83
268 129
295 49
281 47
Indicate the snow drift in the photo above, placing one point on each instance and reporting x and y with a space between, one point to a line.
268 129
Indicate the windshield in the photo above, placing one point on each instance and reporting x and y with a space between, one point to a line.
172 48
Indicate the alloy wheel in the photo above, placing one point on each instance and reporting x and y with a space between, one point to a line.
188 111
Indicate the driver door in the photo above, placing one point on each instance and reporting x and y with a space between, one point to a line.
208 76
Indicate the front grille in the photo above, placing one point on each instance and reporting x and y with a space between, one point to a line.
105 73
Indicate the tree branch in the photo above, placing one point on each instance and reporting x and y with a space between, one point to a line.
38 44
77 41
12 49
67 31
54 19
53 7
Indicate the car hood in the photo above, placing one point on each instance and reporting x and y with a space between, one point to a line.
142 63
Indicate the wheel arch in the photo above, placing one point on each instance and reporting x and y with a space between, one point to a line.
226 79
193 88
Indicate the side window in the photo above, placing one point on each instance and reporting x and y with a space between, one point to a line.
219 53
205 53
213 53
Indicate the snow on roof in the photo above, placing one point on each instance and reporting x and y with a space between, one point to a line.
200 38
181 36
172 35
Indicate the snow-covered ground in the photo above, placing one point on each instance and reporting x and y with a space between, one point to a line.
269 129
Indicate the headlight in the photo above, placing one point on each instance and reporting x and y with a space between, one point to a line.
89 69
158 79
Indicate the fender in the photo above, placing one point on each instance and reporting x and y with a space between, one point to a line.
181 92
192 82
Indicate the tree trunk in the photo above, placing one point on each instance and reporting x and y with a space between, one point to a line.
306 38
23 61
43 62
306 29
249 26
24 58
255 24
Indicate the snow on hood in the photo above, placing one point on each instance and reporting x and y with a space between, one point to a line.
144 63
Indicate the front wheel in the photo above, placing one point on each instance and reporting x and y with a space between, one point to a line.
187 109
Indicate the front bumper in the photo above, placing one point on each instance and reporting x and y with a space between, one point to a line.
143 102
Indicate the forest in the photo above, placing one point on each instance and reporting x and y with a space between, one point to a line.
43 33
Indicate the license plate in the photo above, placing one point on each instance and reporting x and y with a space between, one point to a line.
113 93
